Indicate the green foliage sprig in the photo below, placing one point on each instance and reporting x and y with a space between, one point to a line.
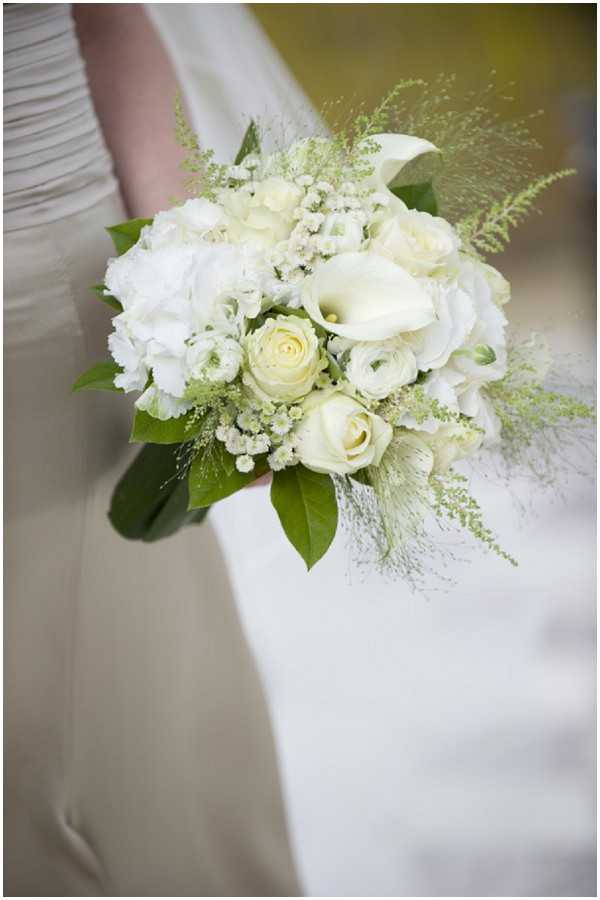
487 231
206 175
453 501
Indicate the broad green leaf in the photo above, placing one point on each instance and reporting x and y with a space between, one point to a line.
213 478
111 301
150 502
418 196
174 514
148 430
250 143
100 377
126 234
307 509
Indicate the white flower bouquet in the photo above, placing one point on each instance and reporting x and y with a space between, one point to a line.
311 313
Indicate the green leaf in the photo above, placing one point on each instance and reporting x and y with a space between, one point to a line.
214 477
100 377
307 509
126 234
111 301
174 514
418 196
250 143
150 502
148 430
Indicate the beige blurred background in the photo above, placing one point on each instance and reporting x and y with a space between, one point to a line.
356 51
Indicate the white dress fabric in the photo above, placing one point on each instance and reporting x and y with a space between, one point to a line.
439 746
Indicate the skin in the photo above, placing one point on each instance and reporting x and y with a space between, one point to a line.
133 87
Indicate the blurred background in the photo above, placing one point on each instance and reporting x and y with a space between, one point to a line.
440 745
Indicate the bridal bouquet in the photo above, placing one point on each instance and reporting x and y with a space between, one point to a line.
324 313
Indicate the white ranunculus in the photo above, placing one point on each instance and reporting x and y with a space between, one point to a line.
345 229
365 297
283 358
183 224
161 405
454 320
395 151
263 217
452 441
337 435
377 369
419 242
488 332
213 357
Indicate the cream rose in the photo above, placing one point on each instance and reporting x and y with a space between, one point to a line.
264 215
283 358
378 369
338 435
365 297
419 242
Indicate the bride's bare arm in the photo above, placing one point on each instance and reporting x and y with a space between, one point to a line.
133 86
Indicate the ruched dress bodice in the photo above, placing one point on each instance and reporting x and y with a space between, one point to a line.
139 758
55 160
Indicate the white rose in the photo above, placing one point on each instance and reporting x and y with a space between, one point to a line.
455 318
365 297
451 442
378 369
264 216
345 229
338 435
183 224
283 358
213 357
419 242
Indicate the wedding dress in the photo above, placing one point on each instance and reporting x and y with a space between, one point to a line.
139 755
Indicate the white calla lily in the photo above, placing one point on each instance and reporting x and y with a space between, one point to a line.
366 297
395 151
